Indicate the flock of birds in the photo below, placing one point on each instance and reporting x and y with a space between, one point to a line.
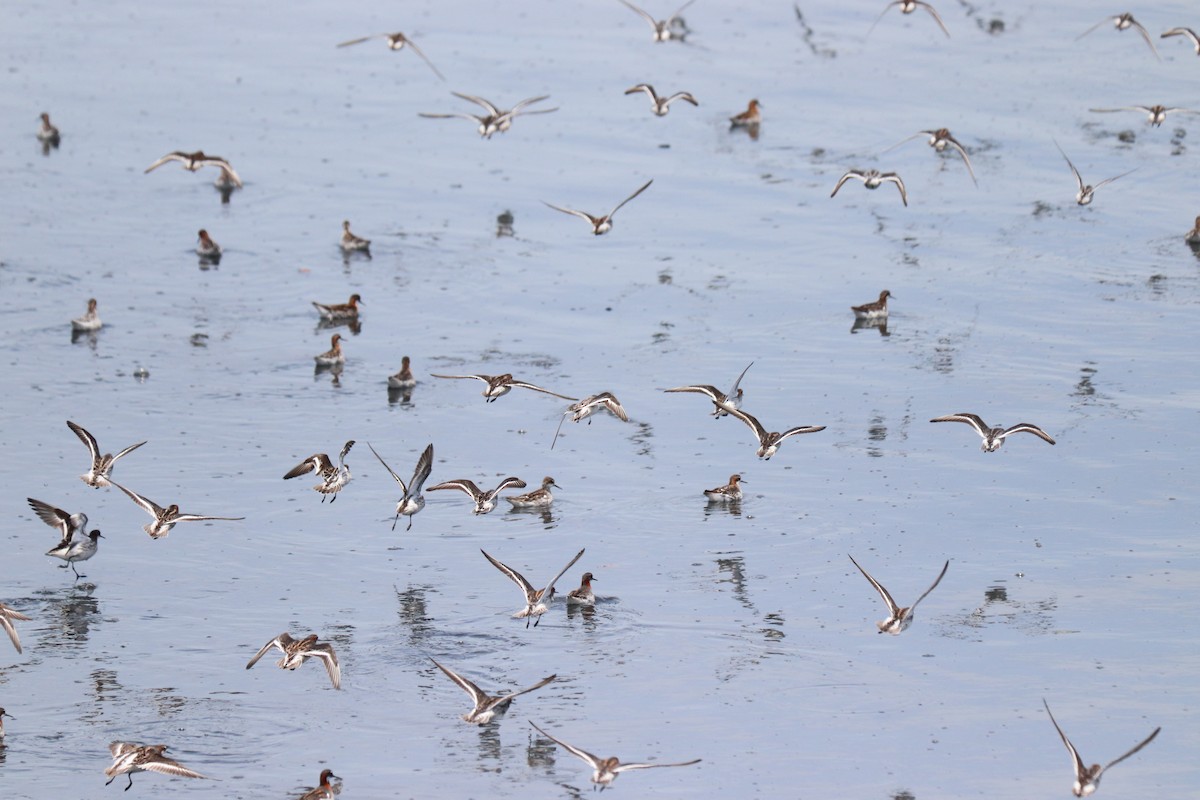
77 544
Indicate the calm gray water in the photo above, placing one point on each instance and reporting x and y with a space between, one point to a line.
741 636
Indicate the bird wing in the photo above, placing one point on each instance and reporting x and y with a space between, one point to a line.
887 598
591 760
178 155
326 654
800 429
643 188
537 685
971 419
1026 427
54 517
168 766
759 431
391 472
734 389
962 151
675 16
484 378
653 22
421 473
512 574
508 482
1080 768
933 13
1089 30
1145 742
201 518
627 767
90 442
686 96
9 629
119 749
1146 37
345 451
281 641
317 461
528 101
464 485
216 161
424 58
479 101
548 592
941 574
842 180
644 87
594 220
525 385
881 13
711 391
478 696
361 39
1110 180
894 178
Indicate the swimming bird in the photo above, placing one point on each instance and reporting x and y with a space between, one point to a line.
351 243
48 134
404 379
333 479
339 311
908 7
90 321
129 758
590 405
769 442
334 355
1186 32
411 500
1086 192
994 437
4 714
194 161
486 706
728 493
873 179
7 615
496 120
939 140
484 501
324 789
1193 236
1155 115
875 310
206 247
165 518
396 41
723 402
583 596
295 651
1124 22
749 118
538 498
661 105
601 225
500 385
898 618
102 465
667 29
1087 779
537 601
605 770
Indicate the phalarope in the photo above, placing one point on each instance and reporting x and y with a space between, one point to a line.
500 385
1193 236
605 770
333 355
537 601
1087 779
75 543
1188 32
102 465
590 405
484 501
769 442
908 7
72 550
129 758
583 596
403 379
396 41
351 243
495 120
411 500
338 311
324 789
601 225
875 310
48 134
4 713
7 615
898 618
1124 22
939 140
295 651
165 518
333 479
873 179
661 105
90 321
194 161
1087 193
993 437
749 118
206 247
667 29
1155 115
486 706
723 402
538 498
728 493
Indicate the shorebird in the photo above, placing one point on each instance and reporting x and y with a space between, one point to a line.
605 770
165 518
939 140
538 498
908 7
1155 115
484 501
324 789
206 248
601 225
723 402
404 379
769 442
90 321
194 161
583 596
396 41
295 651
1187 32
1193 236
411 500
993 437
728 493
500 385
129 758
749 118
590 405
661 105
898 618
102 465
48 134
339 311
7 615
351 243
4 714
537 601
875 310
486 706
333 479
664 30
873 179
75 543
1086 193
1087 779
334 355
1124 22
496 120
79 549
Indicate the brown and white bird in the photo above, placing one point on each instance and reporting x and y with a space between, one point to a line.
484 501
339 311
1123 22
875 310
537 601
129 758
194 161
295 651
873 179
731 492
102 465
673 27
749 118
770 441
165 518
1087 779
603 224
496 386
994 437
351 243
487 707
661 105
898 618
1187 33
908 7
396 41
333 478
606 770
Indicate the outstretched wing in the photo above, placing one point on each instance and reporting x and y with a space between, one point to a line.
887 598
971 419
590 759
513 575
281 641
582 215
391 472
627 767
941 574
643 188
478 697
548 592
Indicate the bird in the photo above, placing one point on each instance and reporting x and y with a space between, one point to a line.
486 706
898 618
500 385
1087 779
295 651
583 596
537 601
75 543
396 41
1155 115
484 501
48 134
339 311
661 105
590 405
90 321
324 789
496 120
206 247
4 714
78 549
129 758
1124 22
875 310
411 500
1193 236
873 179
351 243
194 161
908 7
749 118
334 355
7 615
664 30
333 479
723 402
939 140
165 518
1187 32
605 770
993 437
102 465
538 498
1086 193
403 379
731 492
601 225
769 442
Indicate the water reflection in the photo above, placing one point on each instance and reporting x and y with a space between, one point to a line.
165 703
808 35
586 613
210 261
545 513
716 507
90 338
735 568
1034 617
352 323
334 371
103 688
904 794
751 130
504 224
879 324
401 396
876 432
73 612
350 256
414 614
489 748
